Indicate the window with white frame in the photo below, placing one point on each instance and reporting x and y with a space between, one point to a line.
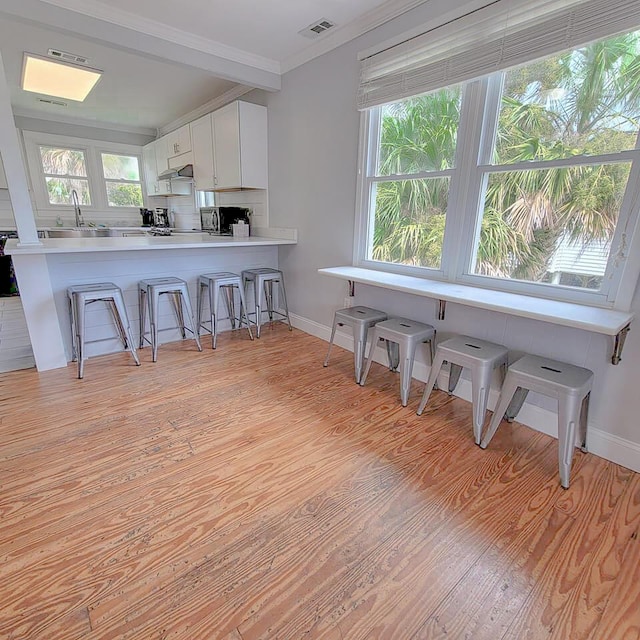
106 176
523 179
122 179
65 170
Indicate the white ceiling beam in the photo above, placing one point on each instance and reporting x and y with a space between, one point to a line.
154 45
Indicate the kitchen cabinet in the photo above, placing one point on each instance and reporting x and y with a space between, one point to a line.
162 155
178 141
240 146
202 147
155 187
230 148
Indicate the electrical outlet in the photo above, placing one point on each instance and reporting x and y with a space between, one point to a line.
348 301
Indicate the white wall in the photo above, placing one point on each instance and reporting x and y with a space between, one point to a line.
313 146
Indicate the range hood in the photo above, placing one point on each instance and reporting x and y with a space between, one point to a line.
186 171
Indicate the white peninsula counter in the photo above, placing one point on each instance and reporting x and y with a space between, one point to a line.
45 270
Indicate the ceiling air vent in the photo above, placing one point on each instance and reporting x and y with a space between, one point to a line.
56 103
68 57
317 28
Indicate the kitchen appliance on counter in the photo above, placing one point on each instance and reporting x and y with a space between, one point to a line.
161 217
147 217
219 220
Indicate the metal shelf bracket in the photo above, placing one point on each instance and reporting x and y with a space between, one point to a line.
619 344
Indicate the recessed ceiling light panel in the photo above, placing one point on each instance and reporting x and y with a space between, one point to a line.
57 78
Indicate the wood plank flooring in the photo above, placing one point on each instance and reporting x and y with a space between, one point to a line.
249 493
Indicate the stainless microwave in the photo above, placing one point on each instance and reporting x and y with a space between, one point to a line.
218 220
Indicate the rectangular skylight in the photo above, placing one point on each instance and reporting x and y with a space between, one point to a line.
56 78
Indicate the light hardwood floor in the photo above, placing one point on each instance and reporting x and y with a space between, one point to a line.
250 493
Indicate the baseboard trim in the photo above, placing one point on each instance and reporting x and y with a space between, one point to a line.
599 442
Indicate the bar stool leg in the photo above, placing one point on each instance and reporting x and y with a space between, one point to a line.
229 302
257 294
407 355
121 312
508 390
284 300
184 298
199 305
243 310
74 337
431 382
268 296
336 324
359 343
153 301
80 327
454 376
480 384
516 404
111 303
176 301
584 418
568 418
393 355
142 310
213 307
372 348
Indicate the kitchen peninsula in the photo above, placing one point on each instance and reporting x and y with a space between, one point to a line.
45 271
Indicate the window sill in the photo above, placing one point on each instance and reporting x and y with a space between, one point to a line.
604 321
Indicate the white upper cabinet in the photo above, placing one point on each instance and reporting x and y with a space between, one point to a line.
150 168
230 148
178 141
162 155
202 147
240 146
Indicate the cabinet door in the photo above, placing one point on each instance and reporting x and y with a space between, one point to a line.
162 155
179 141
202 147
150 169
226 147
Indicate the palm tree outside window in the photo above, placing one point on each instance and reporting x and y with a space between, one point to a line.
65 170
514 181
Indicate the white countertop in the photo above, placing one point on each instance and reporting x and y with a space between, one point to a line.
187 240
606 321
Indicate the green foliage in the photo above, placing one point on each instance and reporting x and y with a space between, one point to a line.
582 103
124 195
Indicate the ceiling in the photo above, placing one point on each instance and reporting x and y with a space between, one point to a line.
163 59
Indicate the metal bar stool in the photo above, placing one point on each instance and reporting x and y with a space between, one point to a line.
569 384
360 319
227 283
402 338
149 292
263 280
81 295
478 355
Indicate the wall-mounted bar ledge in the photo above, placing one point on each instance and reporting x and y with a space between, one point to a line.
595 319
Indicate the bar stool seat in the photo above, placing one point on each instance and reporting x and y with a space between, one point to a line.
81 295
570 385
402 338
481 357
149 292
263 279
360 319
214 283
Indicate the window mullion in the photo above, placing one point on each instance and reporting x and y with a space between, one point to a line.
462 210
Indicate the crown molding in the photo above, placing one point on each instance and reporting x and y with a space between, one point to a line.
203 110
101 11
80 122
343 34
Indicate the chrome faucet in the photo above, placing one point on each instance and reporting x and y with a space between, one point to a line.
76 208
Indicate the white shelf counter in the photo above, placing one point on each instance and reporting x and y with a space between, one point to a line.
597 320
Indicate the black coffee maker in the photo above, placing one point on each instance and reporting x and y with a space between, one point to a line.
147 217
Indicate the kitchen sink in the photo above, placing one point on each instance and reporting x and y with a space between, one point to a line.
82 232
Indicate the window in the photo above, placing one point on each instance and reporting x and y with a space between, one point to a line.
105 175
65 170
122 177
519 180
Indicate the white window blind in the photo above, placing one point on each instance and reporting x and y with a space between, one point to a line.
502 35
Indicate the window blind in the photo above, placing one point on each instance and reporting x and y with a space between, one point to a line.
501 35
